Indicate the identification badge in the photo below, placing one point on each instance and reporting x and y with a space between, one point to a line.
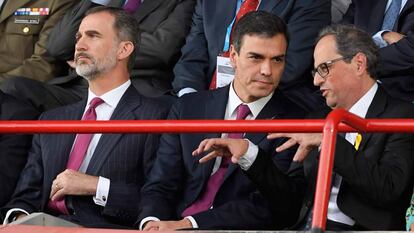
26 21
225 71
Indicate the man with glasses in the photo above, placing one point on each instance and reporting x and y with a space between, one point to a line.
372 179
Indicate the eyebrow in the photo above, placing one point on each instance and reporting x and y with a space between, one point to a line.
260 55
89 33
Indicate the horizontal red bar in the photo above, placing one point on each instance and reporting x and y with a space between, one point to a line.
196 126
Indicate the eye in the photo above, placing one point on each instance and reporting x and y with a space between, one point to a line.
254 57
279 59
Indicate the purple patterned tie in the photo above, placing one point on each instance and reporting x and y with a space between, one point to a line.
205 201
132 5
78 152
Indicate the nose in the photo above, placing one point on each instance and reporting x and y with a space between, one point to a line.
80 45
266 68
317 79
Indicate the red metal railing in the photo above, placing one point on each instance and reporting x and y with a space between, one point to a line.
337 121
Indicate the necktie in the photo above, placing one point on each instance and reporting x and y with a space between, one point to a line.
391 15
132 5
205 201
78 152
246 7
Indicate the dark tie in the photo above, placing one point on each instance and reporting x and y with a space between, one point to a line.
246 7
132 5
391 15
205 201
78 152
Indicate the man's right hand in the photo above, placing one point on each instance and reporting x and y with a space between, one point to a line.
19 216
226 147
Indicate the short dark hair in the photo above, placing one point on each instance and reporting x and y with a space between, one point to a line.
350 41
259 23
125 26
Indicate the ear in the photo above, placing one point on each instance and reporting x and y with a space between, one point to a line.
125 49
360 61
233 56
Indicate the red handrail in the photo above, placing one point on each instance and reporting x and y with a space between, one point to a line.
338 120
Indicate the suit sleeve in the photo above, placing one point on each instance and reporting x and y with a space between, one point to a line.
161 192
28 193
398 58
284 191
39 66
191 69
14 149
61 41
161 47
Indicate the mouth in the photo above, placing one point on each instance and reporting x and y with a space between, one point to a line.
82 56
324 92
263 82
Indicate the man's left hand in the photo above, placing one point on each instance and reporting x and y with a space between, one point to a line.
71 182
392 37
306 141
169 225
225 147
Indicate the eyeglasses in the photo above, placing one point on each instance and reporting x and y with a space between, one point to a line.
323 68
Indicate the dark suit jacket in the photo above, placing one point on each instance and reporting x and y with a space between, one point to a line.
377 180
125 159
206 39
177 179
397 60
22 45
163 25
13 147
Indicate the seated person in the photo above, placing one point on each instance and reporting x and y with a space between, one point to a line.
93 179
163 26
210 34
391 25
13 147
373 173
24 27
181 193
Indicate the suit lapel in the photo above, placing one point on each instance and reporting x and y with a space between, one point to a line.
405 10
123 111
374 111
214 110
10 7
377 17
224 13
146 7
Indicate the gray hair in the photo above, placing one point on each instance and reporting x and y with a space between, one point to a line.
350 41
125 25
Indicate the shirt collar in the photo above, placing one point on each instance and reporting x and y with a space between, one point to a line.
255 107
111 97
360 108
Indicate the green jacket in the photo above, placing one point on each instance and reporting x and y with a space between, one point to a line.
23 35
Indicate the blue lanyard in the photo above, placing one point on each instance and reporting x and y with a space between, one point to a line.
229 28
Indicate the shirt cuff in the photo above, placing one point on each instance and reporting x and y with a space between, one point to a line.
378 40
101 2
193 221
186 90
102 191
147 219
246 161
13 212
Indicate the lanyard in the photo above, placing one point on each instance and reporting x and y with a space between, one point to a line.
230 27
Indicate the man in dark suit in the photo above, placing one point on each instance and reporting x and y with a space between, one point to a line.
163 27
373 173
180 192
25 26
396 69
98 184
211 20
13 147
